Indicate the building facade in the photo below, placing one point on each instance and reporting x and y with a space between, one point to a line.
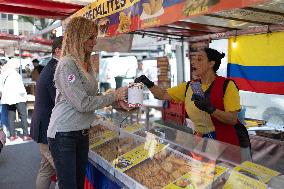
13 24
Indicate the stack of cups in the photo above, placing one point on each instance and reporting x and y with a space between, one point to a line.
135 95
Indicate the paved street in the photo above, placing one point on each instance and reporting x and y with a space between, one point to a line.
19 163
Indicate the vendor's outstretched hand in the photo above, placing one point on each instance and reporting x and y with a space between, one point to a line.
121 93
145 80
123 105
203 103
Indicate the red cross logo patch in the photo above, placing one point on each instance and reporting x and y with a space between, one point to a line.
71 78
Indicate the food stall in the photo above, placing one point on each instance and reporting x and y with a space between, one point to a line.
162 157
132 157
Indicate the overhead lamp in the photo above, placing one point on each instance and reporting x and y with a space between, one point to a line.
234 44
269 32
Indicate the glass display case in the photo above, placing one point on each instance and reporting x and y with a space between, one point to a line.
162 157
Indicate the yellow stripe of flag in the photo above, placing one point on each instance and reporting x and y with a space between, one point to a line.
257 50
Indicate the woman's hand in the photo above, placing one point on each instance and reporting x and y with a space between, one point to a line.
121 96
121 93
123 105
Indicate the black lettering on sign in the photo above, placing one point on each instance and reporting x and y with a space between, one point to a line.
94 13
89 14
110 5
123 2
116 4
99 10
105 8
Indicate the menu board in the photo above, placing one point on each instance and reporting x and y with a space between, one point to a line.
123 16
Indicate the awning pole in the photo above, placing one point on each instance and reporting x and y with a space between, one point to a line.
20 56
183 58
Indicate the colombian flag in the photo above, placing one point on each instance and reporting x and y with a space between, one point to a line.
95 179
256 62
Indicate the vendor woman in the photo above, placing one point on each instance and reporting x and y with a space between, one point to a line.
215 114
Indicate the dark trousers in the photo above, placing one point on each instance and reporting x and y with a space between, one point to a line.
4 115
69 151
22 111
211 135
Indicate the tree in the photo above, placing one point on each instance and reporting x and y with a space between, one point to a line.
43 23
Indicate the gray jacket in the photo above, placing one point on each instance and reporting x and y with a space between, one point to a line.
76 98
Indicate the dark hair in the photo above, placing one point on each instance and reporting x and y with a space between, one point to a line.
35 60
57 43
216 56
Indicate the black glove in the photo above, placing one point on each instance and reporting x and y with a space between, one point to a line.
143 79
203 103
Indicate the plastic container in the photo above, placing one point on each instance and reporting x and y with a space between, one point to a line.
174 112
173 118
135 94
175 107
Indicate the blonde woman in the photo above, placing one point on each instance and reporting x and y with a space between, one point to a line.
76 100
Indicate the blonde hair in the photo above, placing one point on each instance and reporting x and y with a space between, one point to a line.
78 31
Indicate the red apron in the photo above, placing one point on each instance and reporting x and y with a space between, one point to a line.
224 132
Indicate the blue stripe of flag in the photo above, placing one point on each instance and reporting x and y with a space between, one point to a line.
257 73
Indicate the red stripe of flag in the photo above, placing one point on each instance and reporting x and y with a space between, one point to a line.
88 184
260 86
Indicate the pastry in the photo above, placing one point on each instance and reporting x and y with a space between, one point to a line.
167 167
160 171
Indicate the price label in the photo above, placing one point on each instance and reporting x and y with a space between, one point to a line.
254 172
97 143
259 168
133 128
237 181
219 170
136 156
191 180
106 136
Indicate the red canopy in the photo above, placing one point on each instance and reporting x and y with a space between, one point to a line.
12 37
268 13
39 8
